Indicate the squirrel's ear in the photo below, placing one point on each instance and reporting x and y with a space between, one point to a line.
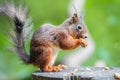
74 19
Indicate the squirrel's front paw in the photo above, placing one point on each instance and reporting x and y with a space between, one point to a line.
83 43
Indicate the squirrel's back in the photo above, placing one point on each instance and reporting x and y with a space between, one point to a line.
47 33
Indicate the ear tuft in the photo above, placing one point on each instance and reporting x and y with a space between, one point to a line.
75 15
74 19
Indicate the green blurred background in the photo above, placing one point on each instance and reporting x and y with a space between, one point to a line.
101 16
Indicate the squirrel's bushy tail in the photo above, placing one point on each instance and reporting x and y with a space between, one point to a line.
21 27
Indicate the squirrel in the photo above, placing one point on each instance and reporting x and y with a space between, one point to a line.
46 40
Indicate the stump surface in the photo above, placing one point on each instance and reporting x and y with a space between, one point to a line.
78 73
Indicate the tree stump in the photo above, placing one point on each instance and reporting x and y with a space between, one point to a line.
78 73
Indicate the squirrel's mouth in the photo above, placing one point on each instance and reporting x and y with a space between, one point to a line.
81 36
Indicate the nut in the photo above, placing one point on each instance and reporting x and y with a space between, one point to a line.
106 68
73 72
117 76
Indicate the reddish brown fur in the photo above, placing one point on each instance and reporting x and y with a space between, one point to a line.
66 42
47 37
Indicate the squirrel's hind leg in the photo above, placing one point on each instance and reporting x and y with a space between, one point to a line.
45 58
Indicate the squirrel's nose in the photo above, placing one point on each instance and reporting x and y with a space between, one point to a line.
85 36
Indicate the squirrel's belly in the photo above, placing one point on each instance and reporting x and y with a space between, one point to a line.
55 53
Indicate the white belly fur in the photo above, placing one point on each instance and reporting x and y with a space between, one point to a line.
56 51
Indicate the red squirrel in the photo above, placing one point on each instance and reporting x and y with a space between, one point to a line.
46 40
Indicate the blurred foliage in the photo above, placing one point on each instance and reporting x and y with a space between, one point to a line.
101 16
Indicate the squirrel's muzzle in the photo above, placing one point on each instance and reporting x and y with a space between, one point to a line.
84 36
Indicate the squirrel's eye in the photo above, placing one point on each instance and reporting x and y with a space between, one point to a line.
79 27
